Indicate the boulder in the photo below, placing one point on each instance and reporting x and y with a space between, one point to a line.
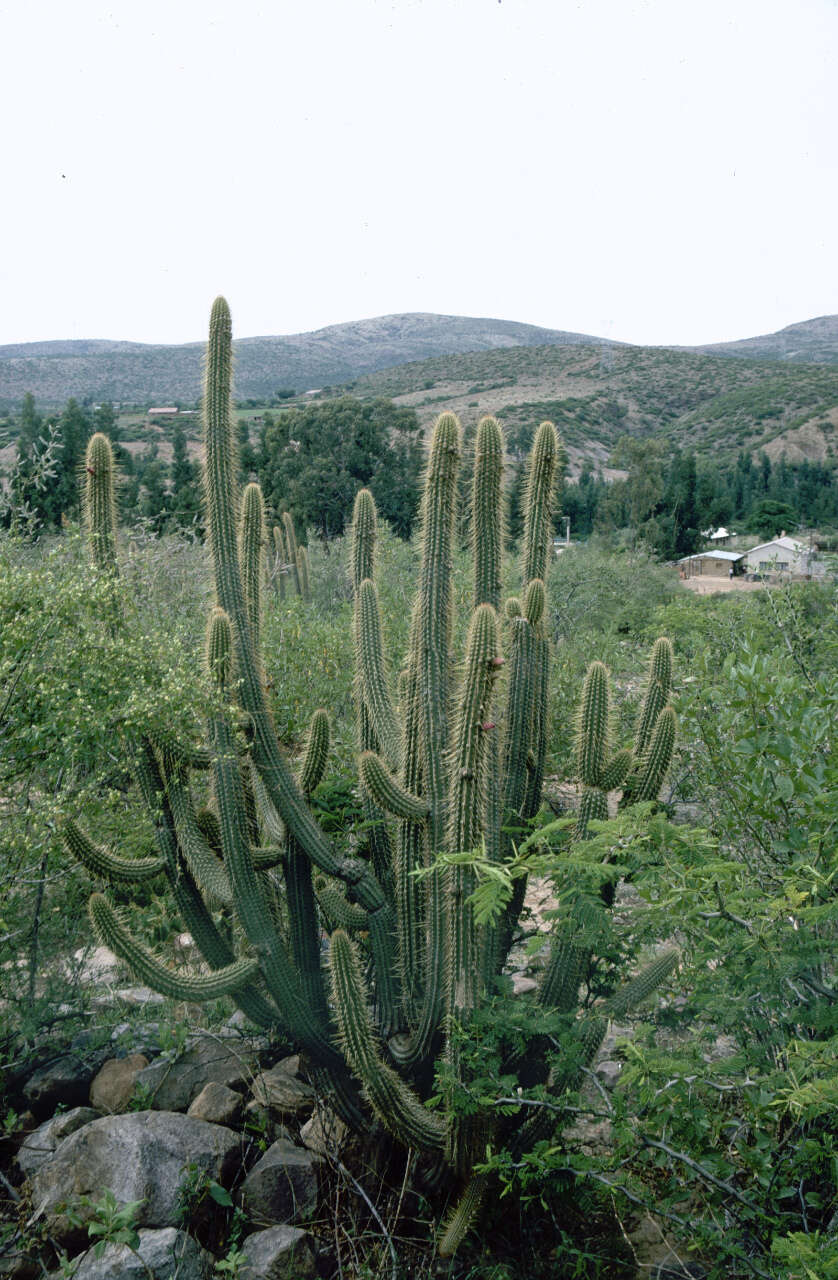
169 1254
282 1186
65 1079
278 1253
608 1073
217 1104
39 1146
113 1087
140 1156
172 1083
324 1132
94 966
280 1091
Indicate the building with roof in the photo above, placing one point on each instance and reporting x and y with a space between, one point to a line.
784 555
720 536
714 564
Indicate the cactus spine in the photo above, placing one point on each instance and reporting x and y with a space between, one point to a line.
443 770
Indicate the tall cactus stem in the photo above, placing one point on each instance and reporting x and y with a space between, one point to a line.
302 572
100 502
280 560
362 546
487 513
291 548
593 735
252 556
398 1109
538 503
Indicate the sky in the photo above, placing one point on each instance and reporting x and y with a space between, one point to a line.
654 171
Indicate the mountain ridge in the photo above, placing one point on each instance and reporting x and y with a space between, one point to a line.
339 356
334 355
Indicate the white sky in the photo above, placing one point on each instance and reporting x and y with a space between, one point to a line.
658 171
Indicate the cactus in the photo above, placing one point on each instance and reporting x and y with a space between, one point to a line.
99 503
639 770
291 550
443 769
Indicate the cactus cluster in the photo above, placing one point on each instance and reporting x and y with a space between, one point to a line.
451 759
639 771
287 560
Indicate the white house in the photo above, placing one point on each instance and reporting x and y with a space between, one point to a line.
784 555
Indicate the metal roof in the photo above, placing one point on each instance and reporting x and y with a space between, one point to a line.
714 555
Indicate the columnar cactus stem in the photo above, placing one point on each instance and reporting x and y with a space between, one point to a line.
488 534
398 1109
100 503
473 728
292 548
487 513
364 526
251 556
655 699
280 561
429 656
538 503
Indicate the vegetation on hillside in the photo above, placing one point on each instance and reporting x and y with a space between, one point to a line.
595 395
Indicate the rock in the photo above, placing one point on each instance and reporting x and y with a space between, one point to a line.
608 1073
521 984
279 1089
217 1104
282 1186
113 1088
279 1253
95 966
172 1083
324 1132
723 1046
63 1080
140 1156
169 1255
40 1145
134 997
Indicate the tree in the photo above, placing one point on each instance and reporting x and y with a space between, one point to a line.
314 459
154 499
768 518
186 504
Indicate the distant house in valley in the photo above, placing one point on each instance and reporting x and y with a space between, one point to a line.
167 411
714 564
784 555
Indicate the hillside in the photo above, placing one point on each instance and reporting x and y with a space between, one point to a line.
594 395
812 341
138 373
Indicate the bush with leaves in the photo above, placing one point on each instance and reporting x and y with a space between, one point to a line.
733 1133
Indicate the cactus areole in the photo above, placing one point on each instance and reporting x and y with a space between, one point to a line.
448 763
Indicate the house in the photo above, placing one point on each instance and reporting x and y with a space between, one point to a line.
784 555
167 411
714 564
722 536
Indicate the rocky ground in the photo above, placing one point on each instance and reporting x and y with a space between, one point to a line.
220 1128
